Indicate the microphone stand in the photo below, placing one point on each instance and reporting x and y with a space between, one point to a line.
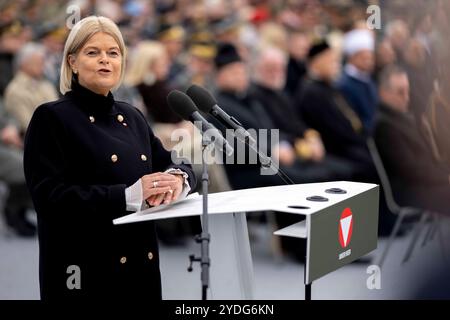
266 162
204 237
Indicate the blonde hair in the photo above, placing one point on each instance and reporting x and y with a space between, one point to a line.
146 53
78 36
273 35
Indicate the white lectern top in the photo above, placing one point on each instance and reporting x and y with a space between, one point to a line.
289 198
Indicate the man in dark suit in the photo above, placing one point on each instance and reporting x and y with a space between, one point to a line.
416 178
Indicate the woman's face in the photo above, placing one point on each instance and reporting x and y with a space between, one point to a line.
98 63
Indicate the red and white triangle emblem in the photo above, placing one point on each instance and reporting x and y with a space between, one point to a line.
345 227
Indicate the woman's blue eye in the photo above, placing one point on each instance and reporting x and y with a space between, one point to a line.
114 53
91 53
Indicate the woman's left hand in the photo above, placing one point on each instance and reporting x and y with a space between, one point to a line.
176 185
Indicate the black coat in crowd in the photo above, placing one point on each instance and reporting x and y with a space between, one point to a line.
251 114
81 153
155 100
324 109
416 178
296 71
278 106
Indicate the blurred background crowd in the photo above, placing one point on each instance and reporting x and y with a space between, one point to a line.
310 68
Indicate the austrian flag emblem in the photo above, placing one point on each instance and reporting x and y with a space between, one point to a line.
345 227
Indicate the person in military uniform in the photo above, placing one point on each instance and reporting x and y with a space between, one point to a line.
200 67
89 159
172 37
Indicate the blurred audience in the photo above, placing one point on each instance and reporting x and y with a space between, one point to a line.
18 200
436 118
148 72
172 38
397 33
28 89
13 35
324 112
356 82
52 36
300 143
324 109
234 95
199 67
298 45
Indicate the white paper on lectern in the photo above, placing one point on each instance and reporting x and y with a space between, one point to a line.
166 206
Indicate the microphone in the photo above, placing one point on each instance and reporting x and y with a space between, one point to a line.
185 107
206 103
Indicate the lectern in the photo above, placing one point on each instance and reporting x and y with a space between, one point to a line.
341 226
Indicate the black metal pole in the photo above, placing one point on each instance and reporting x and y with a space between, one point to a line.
308 291
205 237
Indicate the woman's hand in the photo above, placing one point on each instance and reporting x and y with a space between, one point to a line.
161 187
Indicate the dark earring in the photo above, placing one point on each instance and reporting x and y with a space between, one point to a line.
74 77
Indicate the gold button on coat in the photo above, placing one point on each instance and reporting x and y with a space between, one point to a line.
92 119
123 260
150 255
114 158
120 118
143 157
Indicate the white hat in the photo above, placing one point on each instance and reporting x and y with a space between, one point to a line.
357 40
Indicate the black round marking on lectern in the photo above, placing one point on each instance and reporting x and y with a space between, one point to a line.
336 191
299 207
317 199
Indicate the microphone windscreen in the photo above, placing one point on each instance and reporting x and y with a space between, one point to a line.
181 104
202 98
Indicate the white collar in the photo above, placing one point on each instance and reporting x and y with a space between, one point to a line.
354 72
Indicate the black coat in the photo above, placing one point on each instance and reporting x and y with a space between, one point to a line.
406 154
279 107
252 115
323 108
417 180
296 71
81 152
